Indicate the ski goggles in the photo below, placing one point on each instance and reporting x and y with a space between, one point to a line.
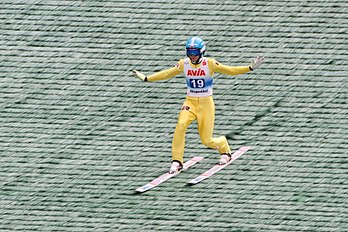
193 52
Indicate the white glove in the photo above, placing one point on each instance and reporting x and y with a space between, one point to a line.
139 75
256 62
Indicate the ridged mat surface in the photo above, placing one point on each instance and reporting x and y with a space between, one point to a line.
78 134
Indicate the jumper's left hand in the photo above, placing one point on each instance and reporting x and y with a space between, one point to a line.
139 75
256 62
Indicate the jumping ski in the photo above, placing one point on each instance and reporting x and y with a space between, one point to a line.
218 167
167 175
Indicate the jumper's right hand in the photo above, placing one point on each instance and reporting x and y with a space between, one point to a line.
256 62
139 75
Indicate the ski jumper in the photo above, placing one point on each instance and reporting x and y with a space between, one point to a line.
199 103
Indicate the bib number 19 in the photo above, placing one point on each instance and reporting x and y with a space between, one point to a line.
197 83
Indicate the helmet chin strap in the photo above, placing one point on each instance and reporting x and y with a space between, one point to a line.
199 59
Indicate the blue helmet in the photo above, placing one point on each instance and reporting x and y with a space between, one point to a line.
195 46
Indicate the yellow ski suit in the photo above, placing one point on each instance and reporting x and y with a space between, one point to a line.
199 103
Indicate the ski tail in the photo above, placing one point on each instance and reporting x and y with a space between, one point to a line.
218 167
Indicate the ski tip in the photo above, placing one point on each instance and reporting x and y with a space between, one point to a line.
144 188
196 180
192 182
138 190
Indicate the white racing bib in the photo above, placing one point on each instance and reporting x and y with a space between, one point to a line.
199 81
